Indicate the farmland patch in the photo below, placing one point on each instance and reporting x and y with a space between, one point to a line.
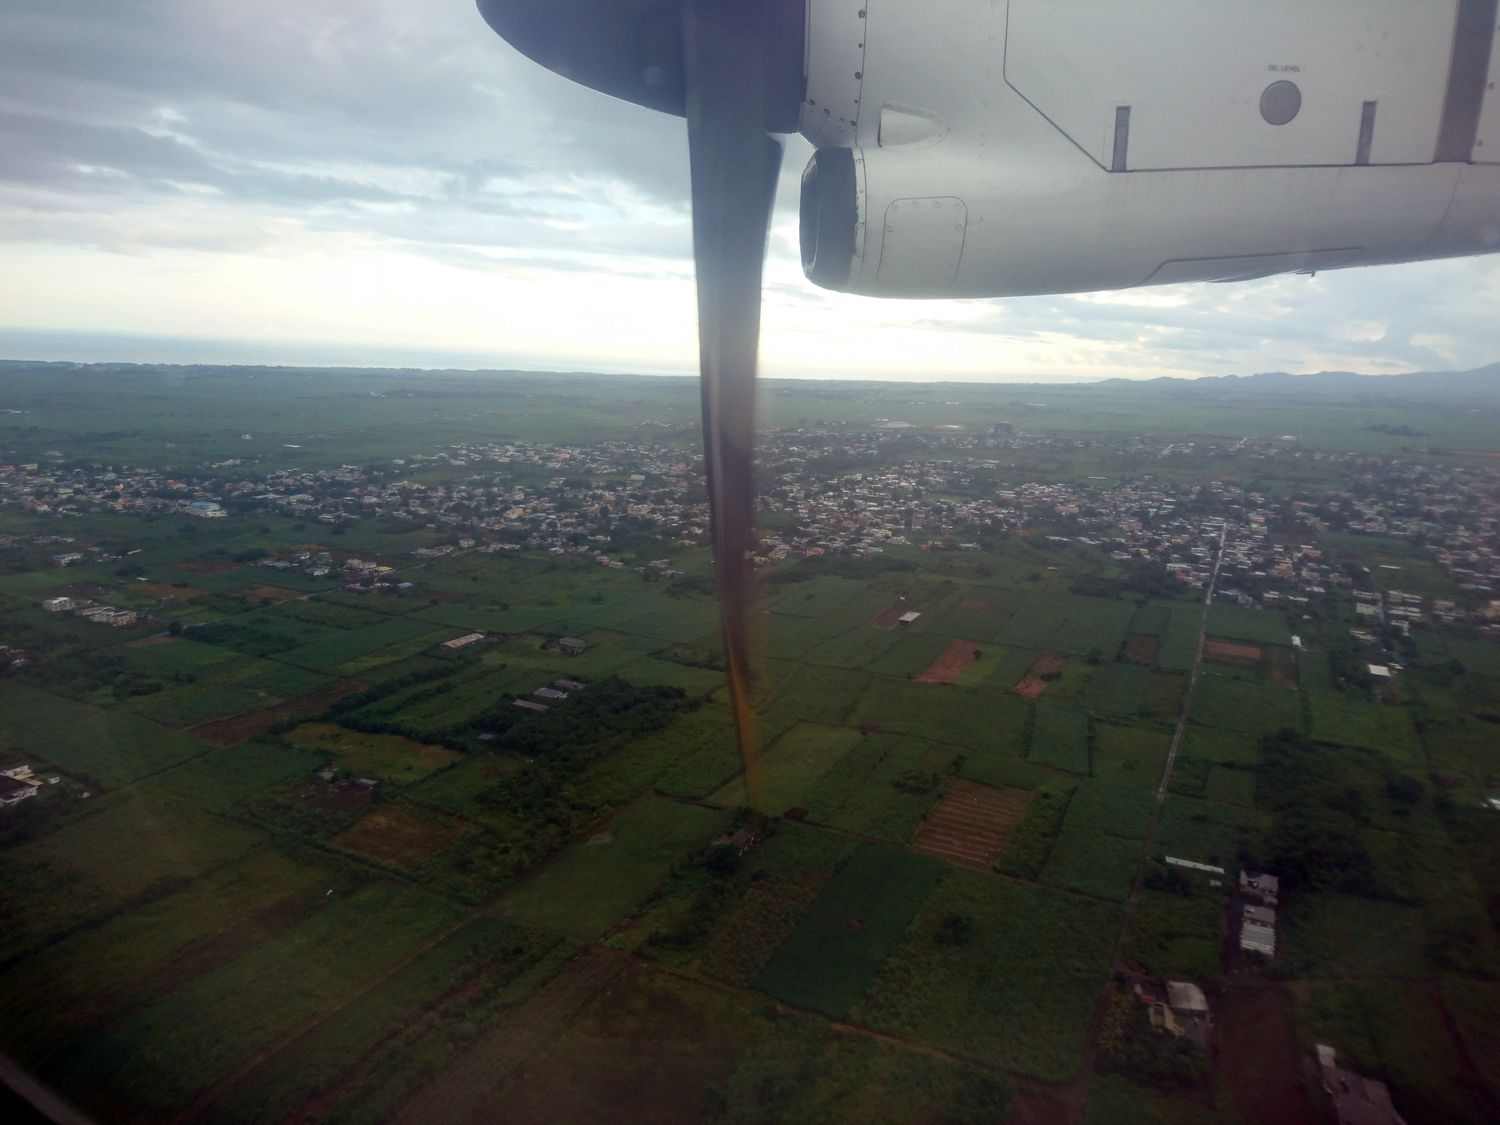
400 835
970 823
1043 671
842 942
950 663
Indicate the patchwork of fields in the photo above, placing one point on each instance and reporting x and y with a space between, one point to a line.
303 862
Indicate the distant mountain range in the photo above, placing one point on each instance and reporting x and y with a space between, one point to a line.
1484 381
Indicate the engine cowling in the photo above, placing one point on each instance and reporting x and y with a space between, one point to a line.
988 148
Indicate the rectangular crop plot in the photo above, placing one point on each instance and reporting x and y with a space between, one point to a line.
1179 646
1119 688
1207 831
1060 738
943 713
881 787
1094 864
817 695
842 942
951 663
855 648
352 644
386 756
1111 808
818 597
1094 625
599 880
1357 722
791 768
165 1052
1136 755
1259 626
493 619
1246 707
1035 625
110 747
911 655
980 612
1216 745
1016 989
1152 620
969 825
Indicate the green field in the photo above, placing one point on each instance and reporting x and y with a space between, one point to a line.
1060 738
599 880
1019 990
836 952
301 863
1260 626
104 748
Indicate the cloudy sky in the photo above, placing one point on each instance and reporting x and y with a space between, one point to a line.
385 181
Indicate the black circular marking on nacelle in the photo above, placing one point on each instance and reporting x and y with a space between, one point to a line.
1280 102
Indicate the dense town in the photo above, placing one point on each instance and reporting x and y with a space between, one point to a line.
851 495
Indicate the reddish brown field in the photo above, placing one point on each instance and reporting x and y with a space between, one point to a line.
276 594
400 835
979 605
1039 676
1233 652
152 642
1141 649
950 662
1262 1066
241 727
971 823
887 617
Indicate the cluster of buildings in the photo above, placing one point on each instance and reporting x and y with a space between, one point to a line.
830 490
544 697
18 783
93 611
1256 907
1179 1008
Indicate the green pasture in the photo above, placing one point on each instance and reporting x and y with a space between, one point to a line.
1060 738
945 713
159 1057
1137 755
1018 989
1248 708
591 887
1259 626
109 748
791 768
882 787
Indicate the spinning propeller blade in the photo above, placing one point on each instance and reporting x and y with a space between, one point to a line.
733 68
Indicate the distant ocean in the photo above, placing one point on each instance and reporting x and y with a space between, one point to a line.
112 347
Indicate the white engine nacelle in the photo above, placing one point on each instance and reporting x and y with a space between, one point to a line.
987 148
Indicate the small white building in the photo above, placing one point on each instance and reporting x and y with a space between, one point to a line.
1257 938
1255 885
906 620
58 605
